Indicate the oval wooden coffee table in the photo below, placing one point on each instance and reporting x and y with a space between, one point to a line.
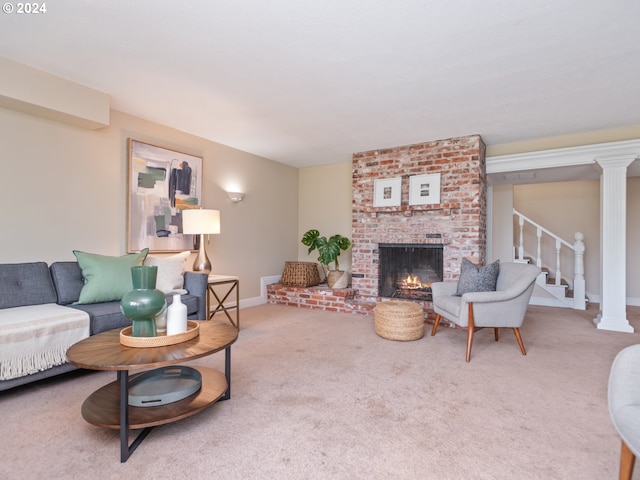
109 406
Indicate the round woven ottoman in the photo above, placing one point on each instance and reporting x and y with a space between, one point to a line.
398 320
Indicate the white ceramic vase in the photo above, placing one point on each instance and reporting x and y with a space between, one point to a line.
176 316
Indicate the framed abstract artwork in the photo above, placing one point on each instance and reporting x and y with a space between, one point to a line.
424 189
387 192
161 183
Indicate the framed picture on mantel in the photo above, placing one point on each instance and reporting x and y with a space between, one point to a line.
387 192
424 189
161 184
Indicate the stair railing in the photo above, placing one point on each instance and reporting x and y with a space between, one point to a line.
579 298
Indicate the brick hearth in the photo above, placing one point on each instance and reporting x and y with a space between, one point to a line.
320 297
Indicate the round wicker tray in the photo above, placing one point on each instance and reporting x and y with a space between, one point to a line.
193 330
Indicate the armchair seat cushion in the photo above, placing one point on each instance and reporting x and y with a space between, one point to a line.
449 306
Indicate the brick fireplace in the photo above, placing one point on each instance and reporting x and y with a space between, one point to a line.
456 225
458 221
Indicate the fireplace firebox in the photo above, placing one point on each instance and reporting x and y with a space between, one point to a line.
407 270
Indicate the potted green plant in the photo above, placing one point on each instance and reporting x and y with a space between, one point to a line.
328 252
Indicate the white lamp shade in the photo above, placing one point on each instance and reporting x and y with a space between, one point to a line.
195 222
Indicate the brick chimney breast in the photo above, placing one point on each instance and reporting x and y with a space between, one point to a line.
458 221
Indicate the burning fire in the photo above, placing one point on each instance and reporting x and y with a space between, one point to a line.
413 283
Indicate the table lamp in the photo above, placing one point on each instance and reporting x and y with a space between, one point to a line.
201 222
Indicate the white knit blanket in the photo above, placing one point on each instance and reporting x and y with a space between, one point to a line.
36 337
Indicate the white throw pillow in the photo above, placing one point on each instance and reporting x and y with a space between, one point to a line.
171 269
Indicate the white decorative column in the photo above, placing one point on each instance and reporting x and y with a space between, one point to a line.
613 220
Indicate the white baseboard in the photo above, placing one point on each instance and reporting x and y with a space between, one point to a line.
262 299
633 301
592 298
252 302
546 302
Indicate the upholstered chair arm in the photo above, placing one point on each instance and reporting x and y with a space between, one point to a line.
489 297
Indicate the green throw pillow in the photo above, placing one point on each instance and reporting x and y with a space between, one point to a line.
106 279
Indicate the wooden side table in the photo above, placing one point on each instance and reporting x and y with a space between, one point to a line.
233 283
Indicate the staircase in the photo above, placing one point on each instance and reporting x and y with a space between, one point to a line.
552 287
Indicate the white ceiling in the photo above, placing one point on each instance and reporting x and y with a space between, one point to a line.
311 82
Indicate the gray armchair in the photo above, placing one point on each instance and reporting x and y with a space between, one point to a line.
504 308
624 405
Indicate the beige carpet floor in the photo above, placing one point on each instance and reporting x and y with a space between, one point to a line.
318 395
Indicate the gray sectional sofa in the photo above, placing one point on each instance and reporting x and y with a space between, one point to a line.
23 286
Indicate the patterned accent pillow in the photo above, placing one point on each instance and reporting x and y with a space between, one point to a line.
477 279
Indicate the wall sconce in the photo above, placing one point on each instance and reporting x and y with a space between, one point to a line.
201 222
235 197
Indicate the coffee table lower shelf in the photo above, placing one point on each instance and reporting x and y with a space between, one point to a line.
102 407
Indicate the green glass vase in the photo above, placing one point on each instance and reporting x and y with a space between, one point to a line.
144 302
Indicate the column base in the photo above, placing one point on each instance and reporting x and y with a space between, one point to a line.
612 324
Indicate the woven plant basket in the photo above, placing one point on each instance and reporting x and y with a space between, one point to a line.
337 279
300 274
396 320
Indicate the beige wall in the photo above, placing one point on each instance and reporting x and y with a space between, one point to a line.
501 221
64 188
633 241
325 204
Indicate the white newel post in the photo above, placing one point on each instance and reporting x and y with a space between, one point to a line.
521 244
613 218
579 294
